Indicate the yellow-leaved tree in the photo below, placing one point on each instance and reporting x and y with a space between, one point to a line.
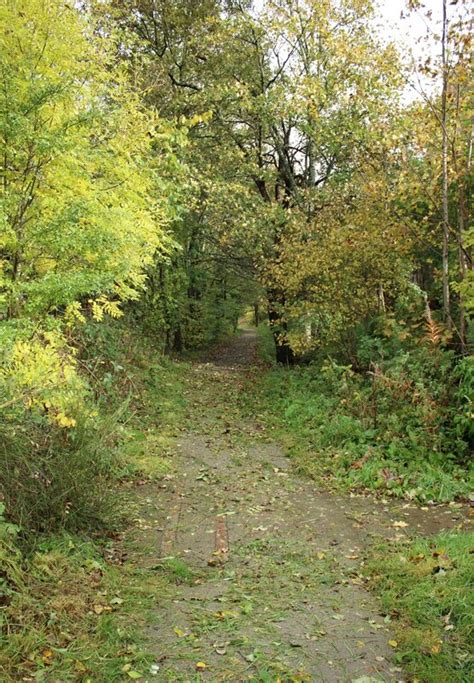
83 195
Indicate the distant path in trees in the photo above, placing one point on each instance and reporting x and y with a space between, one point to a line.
239 351
266 576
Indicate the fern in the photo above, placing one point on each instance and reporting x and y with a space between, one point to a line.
434 333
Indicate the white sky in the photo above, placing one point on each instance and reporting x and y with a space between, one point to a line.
409 30
415 26
416 35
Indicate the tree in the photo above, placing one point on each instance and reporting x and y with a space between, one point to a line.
294 92
442 129
83 203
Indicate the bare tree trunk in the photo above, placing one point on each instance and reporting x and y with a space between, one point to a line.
381 298
444 172
283 351
463 262
256 314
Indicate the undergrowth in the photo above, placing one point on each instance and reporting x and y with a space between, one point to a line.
426 588
71 606
68 614
402 427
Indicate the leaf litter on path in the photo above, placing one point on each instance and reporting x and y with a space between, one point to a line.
290 596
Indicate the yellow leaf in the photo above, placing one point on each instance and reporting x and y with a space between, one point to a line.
224 614
47 656
200 666
393 643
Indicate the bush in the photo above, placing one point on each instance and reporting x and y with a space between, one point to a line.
401 427
51 477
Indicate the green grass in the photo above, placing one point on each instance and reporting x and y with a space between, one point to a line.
176 570
68 615
153 421
338 432
426 586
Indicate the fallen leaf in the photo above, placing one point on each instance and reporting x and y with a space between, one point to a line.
438 552
400 525
116 601
320 555
220 648
134 674
417 558
200 666
393 643
224 614
47 655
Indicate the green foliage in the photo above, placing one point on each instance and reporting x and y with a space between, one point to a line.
399 429
54 478
426 587
82 211
85 198
68 615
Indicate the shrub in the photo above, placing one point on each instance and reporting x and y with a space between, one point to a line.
401 427
52 477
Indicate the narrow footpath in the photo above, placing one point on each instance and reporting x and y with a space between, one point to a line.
269 568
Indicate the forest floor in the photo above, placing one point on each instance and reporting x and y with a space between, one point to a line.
265 571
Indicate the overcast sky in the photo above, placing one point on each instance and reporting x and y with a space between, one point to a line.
412 31
407 31
415 33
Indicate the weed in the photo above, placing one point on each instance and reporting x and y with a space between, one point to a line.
426 588
68 615
401 430
176 570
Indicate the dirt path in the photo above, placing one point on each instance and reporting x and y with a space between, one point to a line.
268 569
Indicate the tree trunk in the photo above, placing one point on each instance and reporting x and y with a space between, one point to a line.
465 263
178 340
444 173
283 352
256 315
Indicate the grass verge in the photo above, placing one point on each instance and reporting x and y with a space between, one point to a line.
395 433
426 586
72 605
70 615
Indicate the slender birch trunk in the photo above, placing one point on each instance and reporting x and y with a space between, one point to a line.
444 172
